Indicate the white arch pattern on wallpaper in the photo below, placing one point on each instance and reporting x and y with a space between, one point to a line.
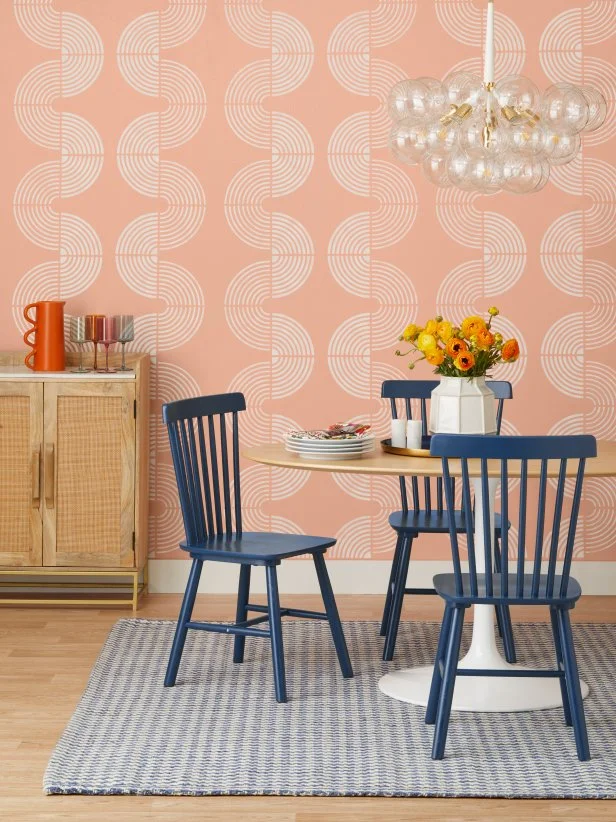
567 347
351 54
141 246
290 250
75 243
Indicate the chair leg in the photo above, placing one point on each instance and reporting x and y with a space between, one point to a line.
397 598
181 630
390 586
243 593
448 684
572 678
333 617
439 664
497 567
560 665
275 623
503 615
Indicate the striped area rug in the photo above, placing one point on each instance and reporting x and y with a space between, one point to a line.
220 730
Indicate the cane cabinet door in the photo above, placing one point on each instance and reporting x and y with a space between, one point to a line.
89 474
21 436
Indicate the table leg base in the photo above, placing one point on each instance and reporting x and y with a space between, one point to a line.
486 694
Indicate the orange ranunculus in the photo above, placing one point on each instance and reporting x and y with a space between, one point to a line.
510 351
444 331
426 342
484 339
431 327
435 356
455 346
471 325
464 361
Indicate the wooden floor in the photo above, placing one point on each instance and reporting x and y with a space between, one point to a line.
45 658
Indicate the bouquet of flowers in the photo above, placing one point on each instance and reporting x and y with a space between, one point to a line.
468 350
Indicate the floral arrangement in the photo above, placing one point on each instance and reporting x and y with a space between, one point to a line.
468 350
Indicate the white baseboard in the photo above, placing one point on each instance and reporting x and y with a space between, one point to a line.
168 576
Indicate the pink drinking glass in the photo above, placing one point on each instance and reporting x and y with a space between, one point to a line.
109 337
94 333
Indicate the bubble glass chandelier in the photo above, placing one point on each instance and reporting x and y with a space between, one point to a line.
486 136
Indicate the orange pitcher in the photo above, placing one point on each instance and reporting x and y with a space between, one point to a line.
48 329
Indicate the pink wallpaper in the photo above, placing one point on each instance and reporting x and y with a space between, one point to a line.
220 169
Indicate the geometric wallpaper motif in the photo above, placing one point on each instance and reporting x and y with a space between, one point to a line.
269 243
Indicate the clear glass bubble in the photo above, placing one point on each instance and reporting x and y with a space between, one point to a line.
565 106
518 93
486 172
597 107
525 175
434 166
408 140
528 137
464 87
478 134
407 99
442 136
561 145
437 101
458 170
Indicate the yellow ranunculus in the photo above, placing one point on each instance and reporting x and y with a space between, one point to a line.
471 325
410 332
426 342
435 357
493 312
431 327
444 331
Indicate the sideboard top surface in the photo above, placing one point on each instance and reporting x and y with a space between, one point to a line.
12 368
20 372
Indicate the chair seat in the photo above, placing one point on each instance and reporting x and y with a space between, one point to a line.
257 548
431 521
445 586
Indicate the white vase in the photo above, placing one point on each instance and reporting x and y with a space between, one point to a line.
462 406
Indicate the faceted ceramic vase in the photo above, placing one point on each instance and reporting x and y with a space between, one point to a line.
462 406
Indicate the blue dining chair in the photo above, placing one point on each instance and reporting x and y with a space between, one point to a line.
558 591
429 517
207 471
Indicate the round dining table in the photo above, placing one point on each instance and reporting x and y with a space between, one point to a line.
487 693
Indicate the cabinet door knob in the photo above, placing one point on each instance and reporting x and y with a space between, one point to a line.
49 476
36 478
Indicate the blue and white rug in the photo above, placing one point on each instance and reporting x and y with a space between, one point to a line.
220 730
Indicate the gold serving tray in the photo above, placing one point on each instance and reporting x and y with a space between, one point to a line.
404 452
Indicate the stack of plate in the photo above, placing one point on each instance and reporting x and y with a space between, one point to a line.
329 449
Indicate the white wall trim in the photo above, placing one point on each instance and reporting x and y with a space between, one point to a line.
348 576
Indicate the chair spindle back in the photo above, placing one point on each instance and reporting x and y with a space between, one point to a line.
421 390
207 467
503 450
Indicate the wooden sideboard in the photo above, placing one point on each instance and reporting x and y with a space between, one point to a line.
73 483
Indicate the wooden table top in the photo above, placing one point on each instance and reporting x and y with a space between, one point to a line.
378 462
